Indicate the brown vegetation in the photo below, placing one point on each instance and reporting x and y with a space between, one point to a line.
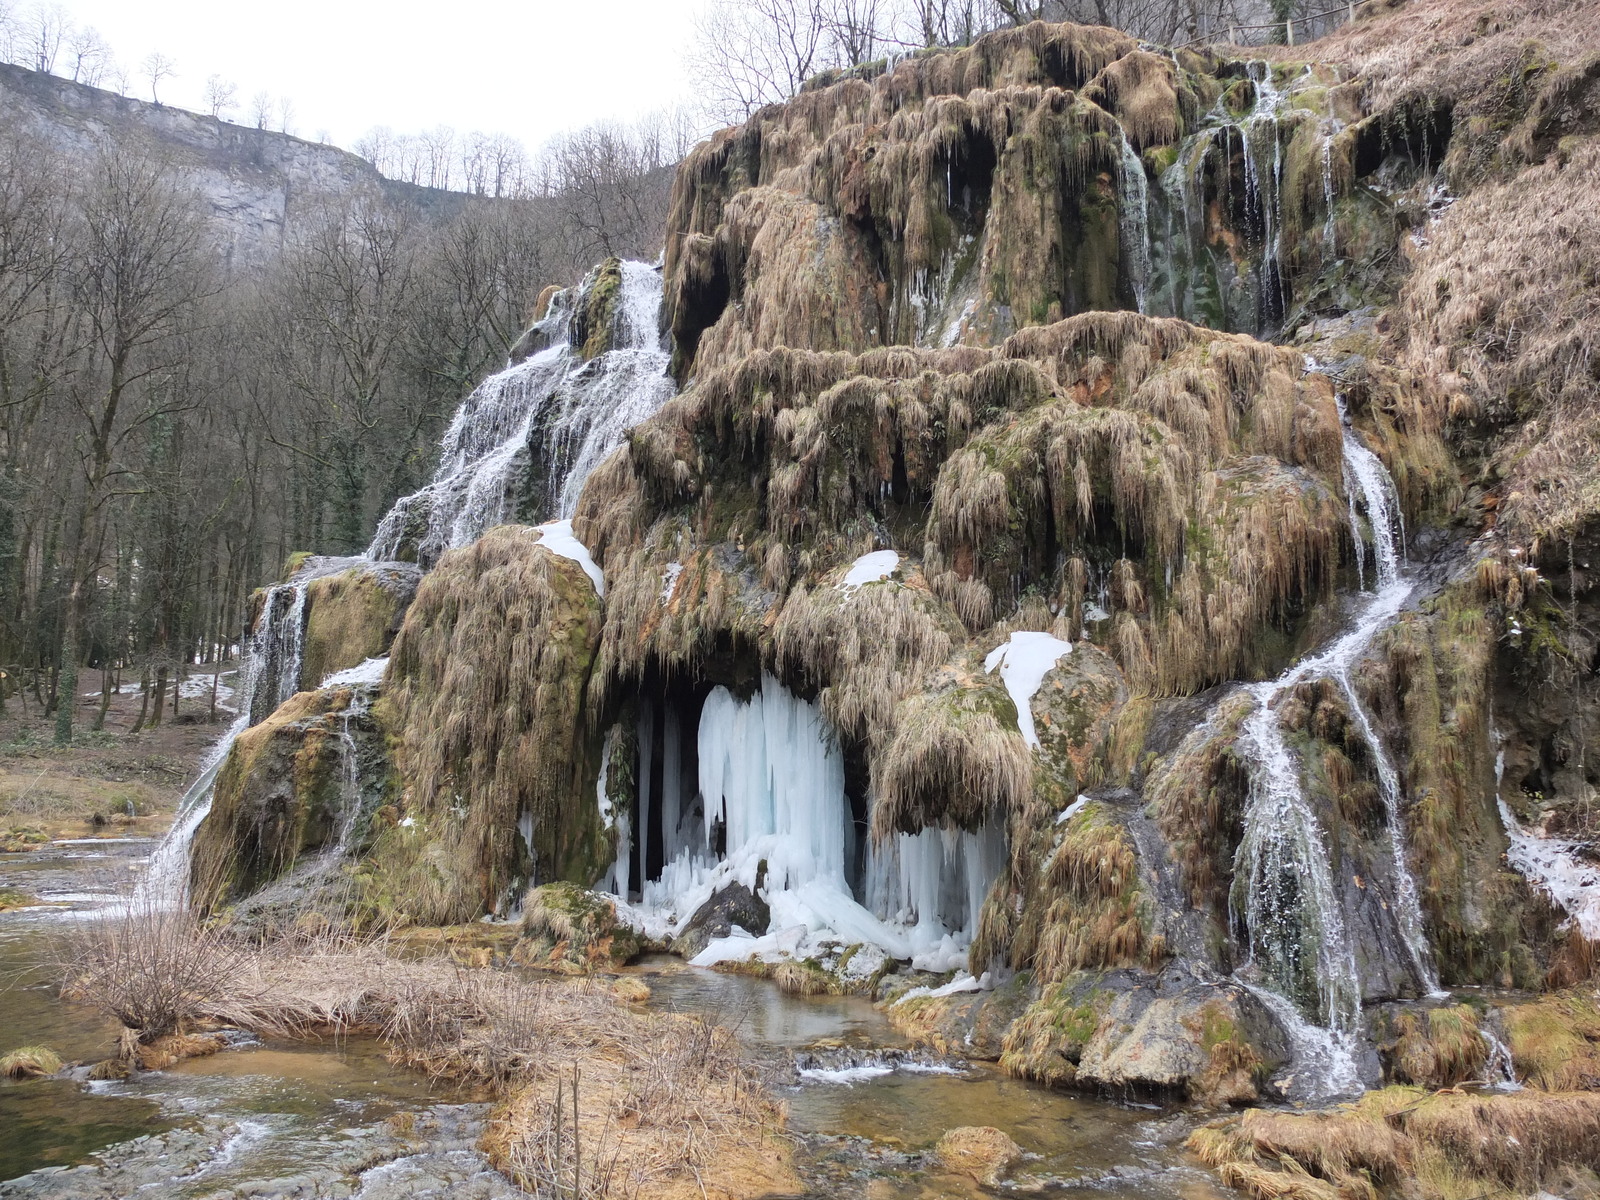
484 698
1440 1147
664 1103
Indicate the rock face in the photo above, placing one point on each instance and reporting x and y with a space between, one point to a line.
995 317
257 183
353 616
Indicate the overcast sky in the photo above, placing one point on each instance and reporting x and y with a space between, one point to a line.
530 68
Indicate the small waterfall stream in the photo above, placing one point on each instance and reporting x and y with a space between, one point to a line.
546 422
1283 893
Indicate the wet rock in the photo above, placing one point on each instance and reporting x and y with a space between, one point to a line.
1171 1034
1215 1043
279 797
980 1151
733 905
572 930
969 1024
354 616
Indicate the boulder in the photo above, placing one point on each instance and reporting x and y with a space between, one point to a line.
574 931
733 905
981 1151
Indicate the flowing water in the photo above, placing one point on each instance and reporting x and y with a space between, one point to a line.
331 1119
1284 894
540 426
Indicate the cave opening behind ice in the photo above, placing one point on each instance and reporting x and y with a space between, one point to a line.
742 780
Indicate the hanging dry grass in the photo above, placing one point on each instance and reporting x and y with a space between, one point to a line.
485 694
1500 315
1442 1146
956 759
1089 910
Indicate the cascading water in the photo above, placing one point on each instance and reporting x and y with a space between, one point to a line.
1283 890
1133 218
541 425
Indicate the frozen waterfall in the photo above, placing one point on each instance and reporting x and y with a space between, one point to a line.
772 813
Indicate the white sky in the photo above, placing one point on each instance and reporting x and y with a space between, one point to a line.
529 68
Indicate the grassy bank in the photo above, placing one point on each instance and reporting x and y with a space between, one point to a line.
597 1097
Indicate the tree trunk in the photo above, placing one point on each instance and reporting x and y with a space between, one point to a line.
160 699
106 688
144 701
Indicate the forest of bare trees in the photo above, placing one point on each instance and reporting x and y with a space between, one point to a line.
170 432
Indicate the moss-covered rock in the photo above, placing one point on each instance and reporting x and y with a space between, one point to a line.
279 796
495 760
353 616
1166 1034
572 930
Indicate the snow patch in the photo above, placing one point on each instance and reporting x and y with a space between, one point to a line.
1553 865
1024 660
870 568
558 538
1071 810
365 674
669 582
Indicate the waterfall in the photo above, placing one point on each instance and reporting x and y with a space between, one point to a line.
1555 866
540 426
363 681
1133 220
1283 891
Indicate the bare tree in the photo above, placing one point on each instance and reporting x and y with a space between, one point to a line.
438 144
749 54
285 115
261 109
47 29
157 66
854 30
87 52
220 95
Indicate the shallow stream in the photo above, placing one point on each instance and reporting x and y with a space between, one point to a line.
336 1119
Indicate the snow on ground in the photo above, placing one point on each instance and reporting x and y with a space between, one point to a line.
558 538
870 568
364 674
1024 660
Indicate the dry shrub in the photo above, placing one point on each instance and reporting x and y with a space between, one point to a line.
158 972
663 1100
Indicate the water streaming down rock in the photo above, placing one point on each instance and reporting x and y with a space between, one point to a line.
1283 891
522 444
1133 217
270 674
1223 260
